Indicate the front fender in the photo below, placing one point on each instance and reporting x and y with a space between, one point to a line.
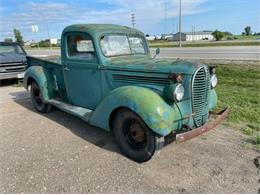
43 79
155 112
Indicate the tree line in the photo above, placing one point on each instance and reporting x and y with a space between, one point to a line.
218 35
19 39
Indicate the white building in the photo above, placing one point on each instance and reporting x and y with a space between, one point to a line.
54 41
150 38
167 36
194 36
28 42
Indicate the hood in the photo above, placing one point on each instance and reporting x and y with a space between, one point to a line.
11 58
147 64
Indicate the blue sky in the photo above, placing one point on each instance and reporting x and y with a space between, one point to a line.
152 16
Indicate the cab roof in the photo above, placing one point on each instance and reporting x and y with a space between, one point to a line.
99 29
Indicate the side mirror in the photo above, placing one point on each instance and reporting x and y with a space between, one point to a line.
157 51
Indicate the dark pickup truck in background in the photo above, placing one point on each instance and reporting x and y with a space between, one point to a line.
12 61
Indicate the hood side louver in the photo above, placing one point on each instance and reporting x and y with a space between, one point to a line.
141 79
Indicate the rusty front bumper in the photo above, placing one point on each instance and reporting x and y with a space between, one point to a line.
206 127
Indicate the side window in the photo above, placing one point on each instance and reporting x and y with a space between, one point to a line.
80 47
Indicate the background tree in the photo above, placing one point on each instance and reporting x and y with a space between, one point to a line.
248 30
8 40
226 33
18 36
218 35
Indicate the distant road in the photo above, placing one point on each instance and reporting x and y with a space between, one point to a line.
228 53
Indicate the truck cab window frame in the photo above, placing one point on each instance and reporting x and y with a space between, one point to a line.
80 46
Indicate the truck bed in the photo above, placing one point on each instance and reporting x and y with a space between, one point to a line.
53 67
48 59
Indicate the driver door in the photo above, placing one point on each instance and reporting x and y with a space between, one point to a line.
81 73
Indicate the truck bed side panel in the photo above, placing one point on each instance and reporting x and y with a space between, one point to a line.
55 71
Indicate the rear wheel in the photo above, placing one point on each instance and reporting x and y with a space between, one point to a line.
36 97
133 136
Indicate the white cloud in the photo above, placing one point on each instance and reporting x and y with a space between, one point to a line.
148 14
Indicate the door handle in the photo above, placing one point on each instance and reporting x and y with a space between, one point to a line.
66 68
102 67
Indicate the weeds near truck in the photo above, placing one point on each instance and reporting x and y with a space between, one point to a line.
239 88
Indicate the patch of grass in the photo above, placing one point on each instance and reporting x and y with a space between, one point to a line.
238 88
41 48
249 131
18 84
167 44
243 37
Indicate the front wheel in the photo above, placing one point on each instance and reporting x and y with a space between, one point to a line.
133 136
36 97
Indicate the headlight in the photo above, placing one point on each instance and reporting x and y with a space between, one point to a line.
178 92
213 80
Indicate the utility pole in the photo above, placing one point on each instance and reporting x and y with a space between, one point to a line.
180 24
133 20
192 33
165 18
49 36
194 30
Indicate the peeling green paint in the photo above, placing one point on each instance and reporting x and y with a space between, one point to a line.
157 114
42 78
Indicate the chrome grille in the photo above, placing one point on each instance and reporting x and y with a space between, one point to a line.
200 89
12 67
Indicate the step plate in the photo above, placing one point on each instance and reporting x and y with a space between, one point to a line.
81 112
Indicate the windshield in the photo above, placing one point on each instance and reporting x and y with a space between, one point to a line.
11 49
115 45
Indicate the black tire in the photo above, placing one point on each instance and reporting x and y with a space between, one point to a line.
134 138
36 97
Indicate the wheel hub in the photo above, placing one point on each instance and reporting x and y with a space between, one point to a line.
137 132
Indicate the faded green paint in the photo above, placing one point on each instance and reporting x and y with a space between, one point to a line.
157 114
93 90
42 78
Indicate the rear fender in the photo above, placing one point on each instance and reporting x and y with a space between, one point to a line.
42 78
155 112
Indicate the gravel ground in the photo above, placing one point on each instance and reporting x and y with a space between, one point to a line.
59 153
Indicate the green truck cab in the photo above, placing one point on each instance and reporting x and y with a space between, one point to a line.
107 77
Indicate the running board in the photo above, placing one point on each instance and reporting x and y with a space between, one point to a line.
80 112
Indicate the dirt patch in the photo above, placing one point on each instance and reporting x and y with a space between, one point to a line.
59 153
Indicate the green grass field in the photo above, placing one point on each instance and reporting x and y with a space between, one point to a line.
165 43
242 37
239 88
41 48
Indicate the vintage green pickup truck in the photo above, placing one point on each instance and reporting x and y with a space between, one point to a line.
107 77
